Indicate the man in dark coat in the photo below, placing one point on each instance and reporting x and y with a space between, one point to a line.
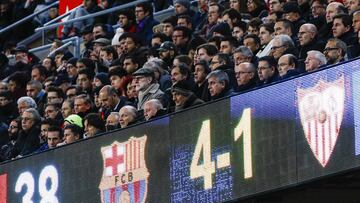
183 96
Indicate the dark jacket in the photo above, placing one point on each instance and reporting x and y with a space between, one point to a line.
202 91
225 93
251 84
144 28
315 44
27 142
349 38
192 100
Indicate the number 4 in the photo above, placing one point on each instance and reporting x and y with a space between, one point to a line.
207 168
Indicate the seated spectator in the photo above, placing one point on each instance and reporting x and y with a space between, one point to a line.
153 109
128 115
83 105
257 8
110 100
127 20
162 76
201 85
181 37
335 51
93 125
308 40
13 132
8 108
293 14
342 29
287 66
147 87
44 127
24 103
206 52
84 79
17 84
266 35
72 133
282 45
183 96
252 42
39 73
52 111
267 70
356 21
242 54
314 60
318 12
246 76
28 139
74 119
112 121
219 86
119 79
54 136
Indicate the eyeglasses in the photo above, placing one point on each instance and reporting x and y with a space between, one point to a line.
330 49
12 127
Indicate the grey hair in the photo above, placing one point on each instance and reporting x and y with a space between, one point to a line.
310 27
220 75
156 103
30 102
285 40
318 55
34 113
245 51
116 114
36 84
131 110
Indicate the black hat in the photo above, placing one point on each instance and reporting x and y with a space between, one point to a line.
222 28
60 79
102 41
182 87
167 46
144 72
291 7
103 77
73 61
118 72
86 30
21 48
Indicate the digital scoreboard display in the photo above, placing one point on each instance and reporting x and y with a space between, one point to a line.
273 137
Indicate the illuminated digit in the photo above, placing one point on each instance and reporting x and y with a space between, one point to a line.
48 195
207 168
25 179
244 127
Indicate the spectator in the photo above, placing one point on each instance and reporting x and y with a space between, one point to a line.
110 100
55 95
93 125
72 133
118 78
8 108
246 76
219 86
342 29
242 54
153 109
356 21
127 20
206 52
35 91
13 132
82 105
287 66
17 84
335 51
293 14
334 8
181 37
314 60
147 88
308 40
127 116
183 96
74 119
201 71
266 35
54 136
231 16
52 111
185 21
228 45
267 70
282 44
257 8
84 79
318 12
161 75
39 73
25 103
169 24
167 52
28 139
145 21
252 42
276 5
180 72
112 121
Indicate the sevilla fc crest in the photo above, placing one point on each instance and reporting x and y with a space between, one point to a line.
321 110
125 175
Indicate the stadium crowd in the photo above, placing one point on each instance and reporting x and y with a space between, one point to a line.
146 69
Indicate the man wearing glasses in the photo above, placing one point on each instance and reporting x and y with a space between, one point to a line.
335 51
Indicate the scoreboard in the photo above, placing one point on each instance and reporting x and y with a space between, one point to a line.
276 136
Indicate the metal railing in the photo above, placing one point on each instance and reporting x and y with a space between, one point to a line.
29 17
62 16
110 10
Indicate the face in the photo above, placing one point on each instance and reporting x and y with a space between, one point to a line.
131 90
53 98
183 22
179 9
88 37
238 33
50 112
283 65
141 83
278 49
213 14
3 101
332 52
235 4
178 99
47 63
356 23
21 57
83 81
243 74
265 36
13 128
292 16
176 75
251 44
339 28
353 5
317 9
116 81
275 6
129 66
22 107
89 129
31 91
35 75
253 30
69 136
178 38
66 109
71 70
215 63
106 101
155 42
139 13
226 18
239 58
71 93
168 29
44 131
112 120
330 12
251 5
280 29
27 121
80 106
202 55
53 138
125 117
264 70
305 35
149 110
311 63
129 45
98 32
199 74
215 87
123 20
165 54
225 47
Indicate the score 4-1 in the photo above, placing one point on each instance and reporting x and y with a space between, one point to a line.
207 167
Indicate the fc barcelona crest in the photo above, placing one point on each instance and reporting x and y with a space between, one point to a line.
321 111
125 175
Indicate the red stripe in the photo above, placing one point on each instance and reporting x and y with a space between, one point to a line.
3 188
139 154
131 160
126 163
112 195
135 155
124 187
309 133
137 191
330 137
316 139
